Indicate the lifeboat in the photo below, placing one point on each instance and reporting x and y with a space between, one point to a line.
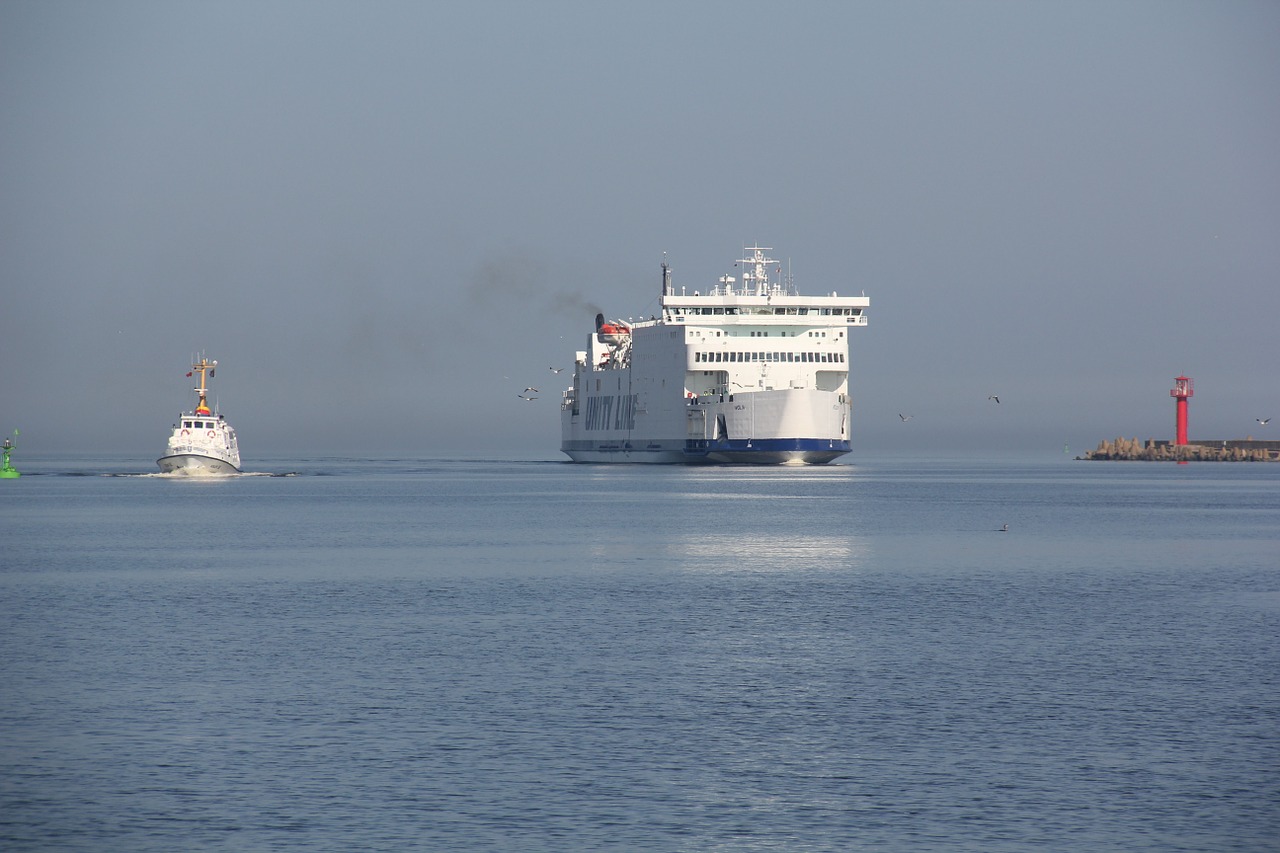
611 333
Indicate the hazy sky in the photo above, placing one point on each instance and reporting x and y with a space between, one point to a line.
386 219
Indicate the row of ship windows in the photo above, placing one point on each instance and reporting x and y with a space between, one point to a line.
775 311
764 333
199 424
822 357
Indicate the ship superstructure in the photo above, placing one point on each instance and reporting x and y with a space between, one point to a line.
202 441
752 371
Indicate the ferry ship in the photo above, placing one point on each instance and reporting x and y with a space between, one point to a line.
202 441
750 372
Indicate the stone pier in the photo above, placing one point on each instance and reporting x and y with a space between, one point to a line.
1231 450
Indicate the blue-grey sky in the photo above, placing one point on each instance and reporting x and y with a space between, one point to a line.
386 219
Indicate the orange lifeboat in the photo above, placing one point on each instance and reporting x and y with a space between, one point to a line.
611 333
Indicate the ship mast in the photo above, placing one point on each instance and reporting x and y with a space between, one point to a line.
755 270
202 367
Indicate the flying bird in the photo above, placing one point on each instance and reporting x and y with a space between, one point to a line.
555 369
531 388
905 418
1263 421
993 397
527 399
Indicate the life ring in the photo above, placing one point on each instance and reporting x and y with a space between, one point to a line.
210 433
186 432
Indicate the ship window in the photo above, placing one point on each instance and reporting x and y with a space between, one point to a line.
187 424
717 310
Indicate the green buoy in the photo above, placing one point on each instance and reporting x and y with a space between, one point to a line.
8 471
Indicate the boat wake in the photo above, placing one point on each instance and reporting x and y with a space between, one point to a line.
179 475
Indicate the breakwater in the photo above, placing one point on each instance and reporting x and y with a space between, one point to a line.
1230 450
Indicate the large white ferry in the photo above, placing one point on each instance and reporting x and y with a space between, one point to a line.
202 441
749 372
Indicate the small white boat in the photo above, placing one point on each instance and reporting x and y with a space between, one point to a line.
202 441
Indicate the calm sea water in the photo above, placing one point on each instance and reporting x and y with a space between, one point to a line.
523 654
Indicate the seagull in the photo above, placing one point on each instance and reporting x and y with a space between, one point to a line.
527 399
993 397
531 388
905 418
1004 528
1263 421
555 369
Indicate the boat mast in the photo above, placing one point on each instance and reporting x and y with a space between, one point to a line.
203 366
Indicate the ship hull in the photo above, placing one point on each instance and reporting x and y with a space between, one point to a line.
195 464
778 427
793 451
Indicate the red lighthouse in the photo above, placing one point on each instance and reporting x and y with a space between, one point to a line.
1181 392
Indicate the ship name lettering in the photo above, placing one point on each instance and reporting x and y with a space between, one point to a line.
616 411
